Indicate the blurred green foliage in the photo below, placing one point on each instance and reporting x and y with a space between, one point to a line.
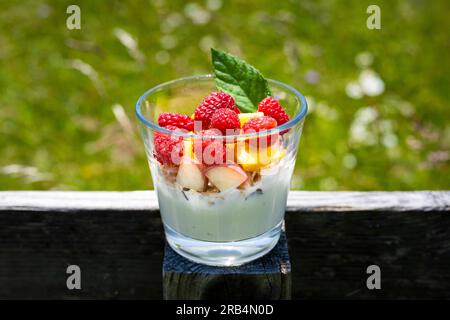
67 96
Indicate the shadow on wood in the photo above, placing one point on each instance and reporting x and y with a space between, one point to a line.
266 278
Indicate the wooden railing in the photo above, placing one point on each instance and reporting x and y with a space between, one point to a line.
117 240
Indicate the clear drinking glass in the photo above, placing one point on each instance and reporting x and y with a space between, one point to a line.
237 225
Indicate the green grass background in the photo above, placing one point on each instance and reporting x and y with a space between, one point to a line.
58 129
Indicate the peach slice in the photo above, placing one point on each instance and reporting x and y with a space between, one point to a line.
226 176
190 175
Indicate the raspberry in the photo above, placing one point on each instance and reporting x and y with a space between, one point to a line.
214 153
261 124
176 119
272 108
205 149
201 143
224 119
216 100
168 147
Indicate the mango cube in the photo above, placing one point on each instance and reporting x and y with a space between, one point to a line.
253 160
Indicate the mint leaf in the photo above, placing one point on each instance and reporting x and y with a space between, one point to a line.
240 80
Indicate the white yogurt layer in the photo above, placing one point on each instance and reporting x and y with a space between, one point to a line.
232 215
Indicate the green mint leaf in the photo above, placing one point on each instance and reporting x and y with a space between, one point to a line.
240 80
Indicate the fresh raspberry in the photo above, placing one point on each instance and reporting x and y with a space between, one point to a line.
261 124
205 149
176 119
214 153
216 100
272 108
201 143
224 119
168 147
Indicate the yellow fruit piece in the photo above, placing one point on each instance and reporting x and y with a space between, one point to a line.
244 117
253 160
193 116
231 151
188 148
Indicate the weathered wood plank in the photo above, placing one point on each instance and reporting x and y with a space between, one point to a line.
118 241
305 201
330 252
266 278
120 254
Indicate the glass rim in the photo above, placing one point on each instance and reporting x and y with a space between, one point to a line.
285 126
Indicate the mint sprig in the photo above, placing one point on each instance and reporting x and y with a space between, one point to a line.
240 80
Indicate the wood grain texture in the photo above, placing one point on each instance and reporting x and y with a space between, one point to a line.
267 278
120 254
332 250
305 201
117 239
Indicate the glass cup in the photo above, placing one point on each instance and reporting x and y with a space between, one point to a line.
220 211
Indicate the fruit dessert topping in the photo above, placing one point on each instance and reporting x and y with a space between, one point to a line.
226 120
259 124
168 148
226 176
209 150
181 121
272 108
213 157
213 102
244 117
